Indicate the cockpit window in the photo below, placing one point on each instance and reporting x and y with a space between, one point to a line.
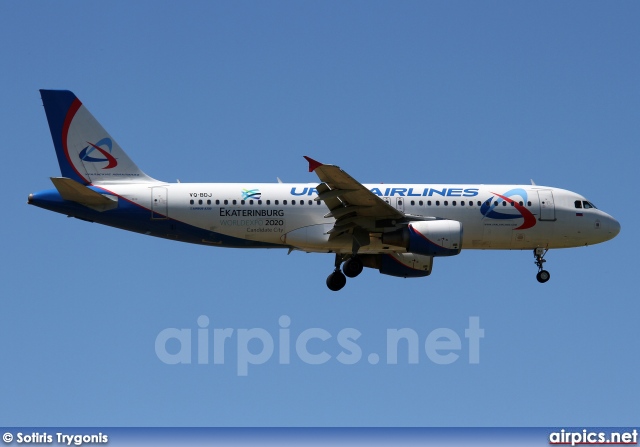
578 204
588 205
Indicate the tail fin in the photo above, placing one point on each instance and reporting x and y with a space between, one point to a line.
86 152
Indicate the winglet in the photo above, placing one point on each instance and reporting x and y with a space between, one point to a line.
313 164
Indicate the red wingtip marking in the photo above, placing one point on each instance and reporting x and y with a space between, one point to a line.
313 164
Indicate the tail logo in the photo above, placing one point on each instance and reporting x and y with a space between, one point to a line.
488 208
89 153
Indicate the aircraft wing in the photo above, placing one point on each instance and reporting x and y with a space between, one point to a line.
356 209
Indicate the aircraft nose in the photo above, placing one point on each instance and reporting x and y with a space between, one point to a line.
613 227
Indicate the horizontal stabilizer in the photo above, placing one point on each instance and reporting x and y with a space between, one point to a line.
71 190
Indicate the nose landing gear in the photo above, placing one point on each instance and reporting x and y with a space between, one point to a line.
543 275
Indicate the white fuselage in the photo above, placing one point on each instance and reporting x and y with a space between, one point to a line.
277 210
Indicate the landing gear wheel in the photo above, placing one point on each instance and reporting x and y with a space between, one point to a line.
336 281
543 276
538 253
352 267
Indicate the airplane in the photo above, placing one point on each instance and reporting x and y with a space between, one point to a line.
397 229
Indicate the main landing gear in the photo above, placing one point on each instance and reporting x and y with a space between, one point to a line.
543 275
352 267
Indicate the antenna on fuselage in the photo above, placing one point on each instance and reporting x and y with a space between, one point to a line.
533 183
279 181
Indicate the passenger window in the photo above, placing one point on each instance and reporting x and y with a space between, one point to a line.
446 203
235 202
513 203
208 202
479 203
200 202
310 202
242 202
217 201
420 203
191 202
578 204
437 203
453 203
413 203
277 202
529 203
428 202
226 202
284 202
462 203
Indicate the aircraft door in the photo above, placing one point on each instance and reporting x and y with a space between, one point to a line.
159 203
547 205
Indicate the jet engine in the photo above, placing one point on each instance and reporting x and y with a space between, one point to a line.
430 238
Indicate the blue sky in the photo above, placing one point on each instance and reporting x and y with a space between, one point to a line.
419 92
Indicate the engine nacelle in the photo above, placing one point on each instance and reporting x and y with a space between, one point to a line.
404 265
316 238
430 238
